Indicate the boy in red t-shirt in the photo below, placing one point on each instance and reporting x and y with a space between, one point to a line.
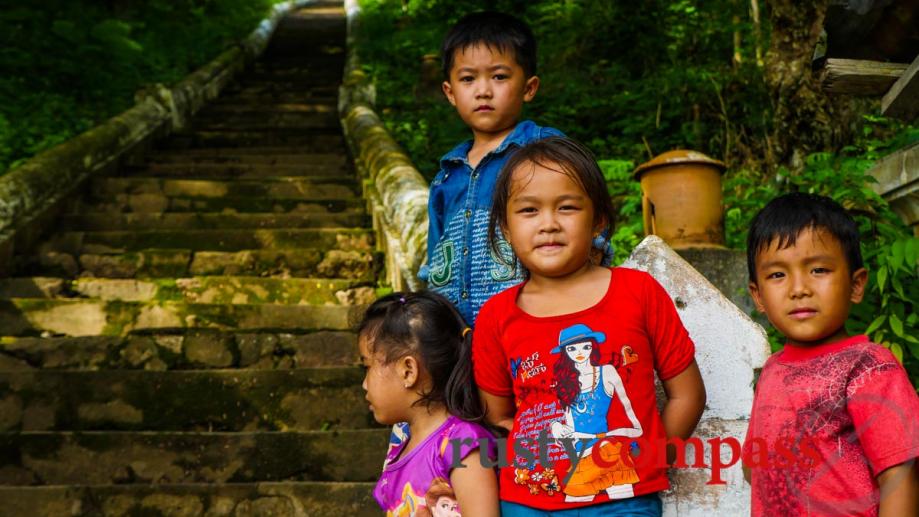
835 422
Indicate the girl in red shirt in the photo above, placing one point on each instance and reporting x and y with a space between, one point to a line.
565 361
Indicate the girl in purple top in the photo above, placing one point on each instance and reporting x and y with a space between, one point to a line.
417 353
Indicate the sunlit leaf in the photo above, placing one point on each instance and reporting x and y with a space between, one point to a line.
896 325
876 324
897 351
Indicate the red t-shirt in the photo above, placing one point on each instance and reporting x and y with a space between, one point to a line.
826 421
587 375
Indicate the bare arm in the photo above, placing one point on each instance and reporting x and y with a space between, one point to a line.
899 490
499 411
476 487
612 383
685 403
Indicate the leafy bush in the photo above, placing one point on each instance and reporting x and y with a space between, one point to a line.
891 253
68 65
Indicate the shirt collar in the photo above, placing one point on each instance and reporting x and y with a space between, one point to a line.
793 353
519 137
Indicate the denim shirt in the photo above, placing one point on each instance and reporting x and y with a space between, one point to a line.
460 264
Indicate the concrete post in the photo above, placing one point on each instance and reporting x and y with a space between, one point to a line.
729 347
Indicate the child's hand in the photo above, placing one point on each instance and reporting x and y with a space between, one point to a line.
560 430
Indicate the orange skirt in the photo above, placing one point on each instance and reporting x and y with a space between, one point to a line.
591 479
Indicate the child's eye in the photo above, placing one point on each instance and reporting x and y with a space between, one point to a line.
777 274
466 79
820 270
569 207
527 210
501 77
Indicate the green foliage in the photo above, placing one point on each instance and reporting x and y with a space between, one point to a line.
626 194
629 79
68 65
890 252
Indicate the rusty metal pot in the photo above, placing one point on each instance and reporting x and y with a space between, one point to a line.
681 199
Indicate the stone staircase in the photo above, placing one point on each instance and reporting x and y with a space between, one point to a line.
181 343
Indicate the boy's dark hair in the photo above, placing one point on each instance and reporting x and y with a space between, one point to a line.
786 216
497 31
558 153
425 325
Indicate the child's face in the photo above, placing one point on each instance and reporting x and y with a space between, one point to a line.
806 290
446 507
550 221
488 89
385 389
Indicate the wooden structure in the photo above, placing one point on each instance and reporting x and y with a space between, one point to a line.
897 82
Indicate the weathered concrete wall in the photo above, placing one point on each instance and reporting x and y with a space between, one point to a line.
729 346
726 269
32 194
396 192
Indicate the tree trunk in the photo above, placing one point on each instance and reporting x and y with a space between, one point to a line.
805 119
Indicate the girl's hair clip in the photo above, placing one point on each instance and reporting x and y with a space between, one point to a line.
466 331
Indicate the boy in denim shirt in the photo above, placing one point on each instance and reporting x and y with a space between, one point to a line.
489 63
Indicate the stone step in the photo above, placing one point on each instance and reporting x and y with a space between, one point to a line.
259 98
303 75
190 400
210 240
305 141
240 171
275 187
107 221
125 457
86 317
298 65
237 157
161 203
229 290
266 122
273 87
279 499
178 263
246 153
272 108
159 351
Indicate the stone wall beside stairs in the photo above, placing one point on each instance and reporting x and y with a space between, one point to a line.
396 193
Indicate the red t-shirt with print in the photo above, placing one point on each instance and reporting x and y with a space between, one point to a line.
826 421
584 381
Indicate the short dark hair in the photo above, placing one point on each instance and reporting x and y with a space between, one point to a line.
497 31
555 152
785 217
428 327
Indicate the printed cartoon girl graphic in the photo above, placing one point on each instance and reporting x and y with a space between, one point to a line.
440 500
586 389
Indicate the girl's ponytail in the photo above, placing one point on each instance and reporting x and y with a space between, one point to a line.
461 394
